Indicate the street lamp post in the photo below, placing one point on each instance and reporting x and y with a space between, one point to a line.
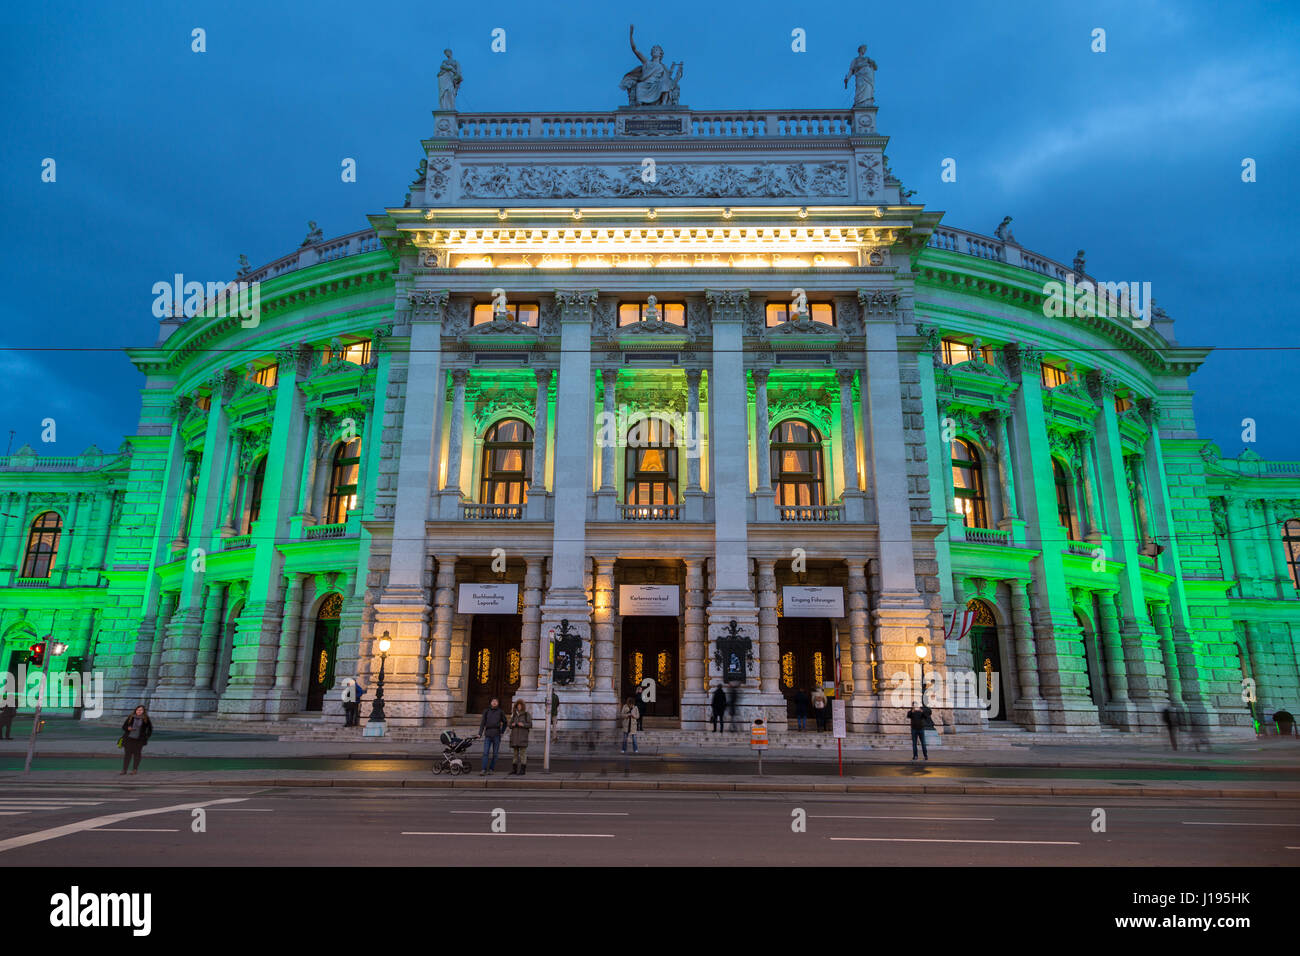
922 652
377 708
52 648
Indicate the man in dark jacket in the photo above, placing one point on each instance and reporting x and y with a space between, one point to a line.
719 707
917 718
802 701
491 727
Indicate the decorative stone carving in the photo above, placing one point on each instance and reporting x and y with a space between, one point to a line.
1219 514
576 304
1063 444
933 339
806 326
1150 409
868 174
650 84
449 80
438 177
314 235
428 305
971 425
653 400
811 404
1102 385
1209 453
1003 231
252 445
863 72
499 326
492 403
866 124
706 180
878 301
1023 360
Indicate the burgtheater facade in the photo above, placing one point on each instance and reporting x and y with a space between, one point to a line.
671 381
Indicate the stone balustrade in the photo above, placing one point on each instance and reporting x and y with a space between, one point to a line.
709 124
808 512
472 512
988 536
649 512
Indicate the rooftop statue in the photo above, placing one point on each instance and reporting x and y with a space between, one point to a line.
651 83
448 82
863 71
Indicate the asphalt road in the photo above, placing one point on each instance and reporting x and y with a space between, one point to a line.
85 826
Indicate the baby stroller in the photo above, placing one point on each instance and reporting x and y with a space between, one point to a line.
454 750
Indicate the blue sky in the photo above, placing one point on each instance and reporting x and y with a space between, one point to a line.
172 161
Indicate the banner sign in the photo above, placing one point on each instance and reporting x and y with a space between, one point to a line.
812 602
488 599
655 600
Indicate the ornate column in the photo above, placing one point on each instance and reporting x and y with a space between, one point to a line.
1006 474
72 528
848 430
228 525
1276 569
768 634
182 536
603 599
1030 710
1085 446
695 693
459 377
290 622
1137 487
205 700
1119 710
170 601
762 434
530 635
310 458
1164 627
693 423
444 609
863 686
609 379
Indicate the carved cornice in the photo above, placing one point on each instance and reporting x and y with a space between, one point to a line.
500 327
1023 361
879 302
1102 385
653 399
576 306
428 305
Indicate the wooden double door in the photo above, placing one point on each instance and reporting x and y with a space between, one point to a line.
494 660
807 657
650 650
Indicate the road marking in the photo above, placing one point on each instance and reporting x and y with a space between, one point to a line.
919 840
609 836
12 813
556 813
833 816
132 830
95 822
1220 823
246 809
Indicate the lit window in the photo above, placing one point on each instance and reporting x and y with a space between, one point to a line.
955 352
1122 404
42 545
1291 544
1064 498
203 401
968 485
1054 376
778 312
797 463
343 481
630 313
525 313
255 494
650 467
358 353
266 375
507 463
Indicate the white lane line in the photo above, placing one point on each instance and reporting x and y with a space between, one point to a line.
556 813
835 816
609 836
1221 823
919 840
1285 848
12 813
81 826
247 809
133 830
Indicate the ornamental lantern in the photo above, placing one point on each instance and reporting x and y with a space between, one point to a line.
735 654
568 653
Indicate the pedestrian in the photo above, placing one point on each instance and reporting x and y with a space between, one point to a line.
360 693
918 719
491 726
7 713
801 703
135 734
643 704
349 696
819 707
1171 722
520 723
627 718
719 708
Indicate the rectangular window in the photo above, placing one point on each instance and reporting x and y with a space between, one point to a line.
266 375
778 312
956 352
1054 376
1122 405
203 401
358 353
524 313
674 313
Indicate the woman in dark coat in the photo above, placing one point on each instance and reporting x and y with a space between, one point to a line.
135 734
520 723
719 707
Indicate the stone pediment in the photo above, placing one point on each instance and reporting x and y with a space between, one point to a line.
651 333
796 331
499 330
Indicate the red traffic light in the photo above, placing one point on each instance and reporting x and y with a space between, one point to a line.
38 654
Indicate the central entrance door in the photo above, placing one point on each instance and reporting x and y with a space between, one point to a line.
494 660
323 652
650 650
807 659
986 658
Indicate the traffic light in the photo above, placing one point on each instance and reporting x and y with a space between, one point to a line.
38 654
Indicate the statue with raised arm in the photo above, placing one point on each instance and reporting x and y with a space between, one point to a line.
651 83
863 71
448 82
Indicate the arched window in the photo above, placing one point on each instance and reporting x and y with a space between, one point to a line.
507 463
650 468
1064 500
343 481
968 485
797 463
1291 543
42 545
255 482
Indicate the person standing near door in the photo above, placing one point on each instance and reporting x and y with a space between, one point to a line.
627 721
719 707
7 713
819 707
801 702
520 723
136 730
917 718
491 726
349 696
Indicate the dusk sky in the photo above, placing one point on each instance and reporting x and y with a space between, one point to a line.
173 161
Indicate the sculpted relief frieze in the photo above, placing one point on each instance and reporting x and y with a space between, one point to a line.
706 180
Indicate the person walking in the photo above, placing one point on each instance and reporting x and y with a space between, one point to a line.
491 727
349 696
1171 724
520 723
719 707
918 719
801 704
135 734
627 720
7 713
819 708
